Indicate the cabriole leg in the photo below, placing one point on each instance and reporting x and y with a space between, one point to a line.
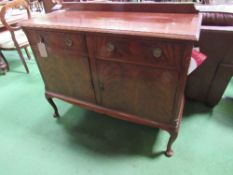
51 102
173 136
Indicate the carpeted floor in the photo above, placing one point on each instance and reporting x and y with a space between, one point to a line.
86 143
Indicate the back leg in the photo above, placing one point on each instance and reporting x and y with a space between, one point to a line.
4 58
27 52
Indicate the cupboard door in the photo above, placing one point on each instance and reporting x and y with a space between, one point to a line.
142 91
66 71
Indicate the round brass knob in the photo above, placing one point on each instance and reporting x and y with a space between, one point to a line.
68 42
157 52
110 47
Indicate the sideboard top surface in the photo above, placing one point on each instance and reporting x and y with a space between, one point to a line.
161 25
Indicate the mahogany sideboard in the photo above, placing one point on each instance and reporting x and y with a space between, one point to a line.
125 60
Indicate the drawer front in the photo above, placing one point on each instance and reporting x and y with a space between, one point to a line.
150 52
59 40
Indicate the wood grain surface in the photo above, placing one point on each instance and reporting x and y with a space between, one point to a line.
129 65
170 26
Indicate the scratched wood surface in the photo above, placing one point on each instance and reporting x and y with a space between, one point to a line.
169 25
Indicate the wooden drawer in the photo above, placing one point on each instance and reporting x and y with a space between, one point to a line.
52 39
149 52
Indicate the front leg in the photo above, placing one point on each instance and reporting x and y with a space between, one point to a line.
173 136
51 102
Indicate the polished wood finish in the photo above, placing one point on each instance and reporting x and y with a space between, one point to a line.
169 7
66 64
139 51
121 64
127 88
170 26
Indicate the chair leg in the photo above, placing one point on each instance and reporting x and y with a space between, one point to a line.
31 6
41 5
22 59
4 58
37 6
27 52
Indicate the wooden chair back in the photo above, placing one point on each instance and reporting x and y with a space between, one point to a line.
16 4
48 5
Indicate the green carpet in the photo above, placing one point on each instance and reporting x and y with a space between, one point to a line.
82 142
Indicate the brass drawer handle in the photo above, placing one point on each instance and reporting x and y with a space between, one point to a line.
110 47
157 52
68 42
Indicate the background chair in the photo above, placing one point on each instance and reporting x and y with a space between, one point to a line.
14 38
35 4
51 5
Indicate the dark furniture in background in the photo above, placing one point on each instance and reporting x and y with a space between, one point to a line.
117 60
208 83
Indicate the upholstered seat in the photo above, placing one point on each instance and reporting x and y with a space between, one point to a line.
13 38
7 43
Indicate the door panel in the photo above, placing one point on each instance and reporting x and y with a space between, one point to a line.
143 91
66 73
